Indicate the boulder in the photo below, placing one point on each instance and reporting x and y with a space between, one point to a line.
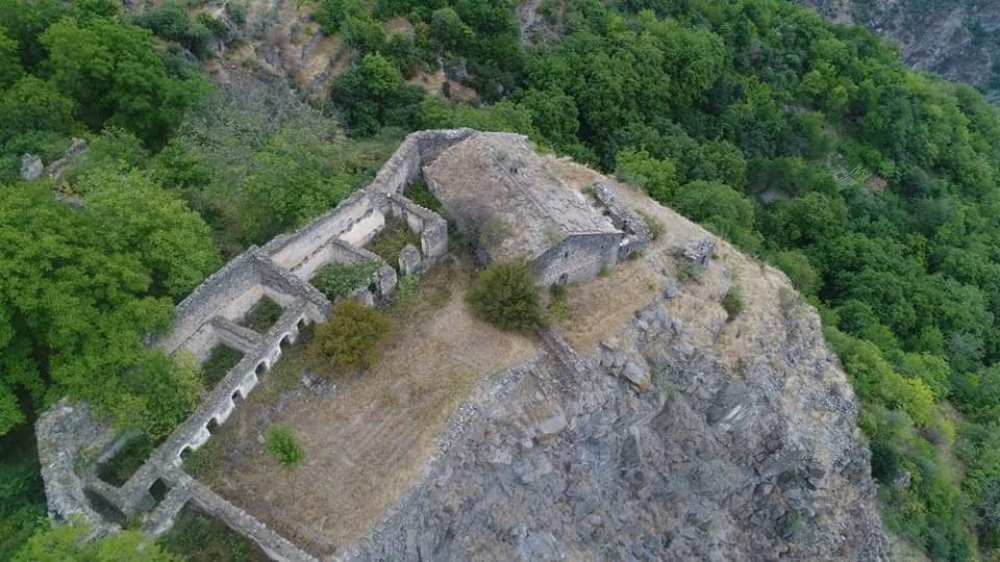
31 167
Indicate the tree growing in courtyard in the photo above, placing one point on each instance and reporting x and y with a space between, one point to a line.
350 339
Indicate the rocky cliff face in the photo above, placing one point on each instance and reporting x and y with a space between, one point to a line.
682 433
955 39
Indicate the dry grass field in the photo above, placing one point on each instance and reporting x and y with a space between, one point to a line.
367 440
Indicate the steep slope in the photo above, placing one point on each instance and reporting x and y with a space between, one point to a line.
954 39
661 427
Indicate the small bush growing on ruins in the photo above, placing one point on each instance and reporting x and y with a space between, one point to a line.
199 536
338 280
558 302
262 315
350 339
505 294
219 362
119 468
406 288
283 445
419 193
689 272
654 225
732 303
390 241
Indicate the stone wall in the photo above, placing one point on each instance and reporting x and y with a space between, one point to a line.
636 232
433 229
296 251
577 258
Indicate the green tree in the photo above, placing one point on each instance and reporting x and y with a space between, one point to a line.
10 62
365 91
79 291
171 242
658 178
68 543
718 207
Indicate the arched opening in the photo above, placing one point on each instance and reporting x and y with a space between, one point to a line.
212 426
185 453
260 368
237 398
285 341
301 324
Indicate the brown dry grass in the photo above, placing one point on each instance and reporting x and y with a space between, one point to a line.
365 445
600 308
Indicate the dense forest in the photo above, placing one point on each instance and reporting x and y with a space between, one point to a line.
806 144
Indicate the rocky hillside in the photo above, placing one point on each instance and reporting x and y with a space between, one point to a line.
955 39
661 424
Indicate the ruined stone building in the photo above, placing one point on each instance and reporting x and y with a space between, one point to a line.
493 186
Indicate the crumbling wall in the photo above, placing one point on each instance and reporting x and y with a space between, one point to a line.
64 431
292 250
431 227
636 232
577 258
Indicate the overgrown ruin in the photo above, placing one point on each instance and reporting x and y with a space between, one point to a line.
581 244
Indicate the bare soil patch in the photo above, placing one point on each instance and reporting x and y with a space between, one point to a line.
368 440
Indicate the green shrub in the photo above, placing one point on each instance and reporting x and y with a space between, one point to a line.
283 445
689 272
407 287
237 12
733 303
350 339
654 225
262 315
219 362
216 26
505 294
119 468
338 280
419 193
198 537
389 242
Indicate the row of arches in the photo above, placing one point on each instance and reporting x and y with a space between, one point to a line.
241 392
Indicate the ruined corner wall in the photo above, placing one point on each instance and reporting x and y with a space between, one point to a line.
64 431
360 217
577 258
636 232
230 292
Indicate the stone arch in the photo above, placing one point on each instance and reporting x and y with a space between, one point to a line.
285 341
213 425
261 368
